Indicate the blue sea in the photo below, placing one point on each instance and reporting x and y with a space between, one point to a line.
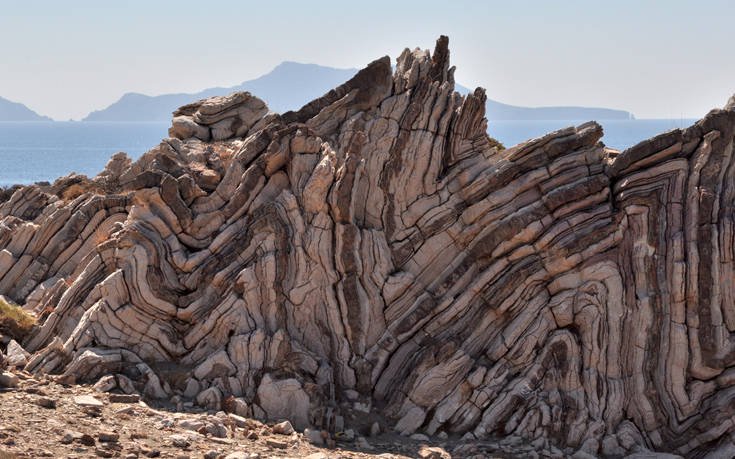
43 151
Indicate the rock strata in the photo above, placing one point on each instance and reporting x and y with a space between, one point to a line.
375 256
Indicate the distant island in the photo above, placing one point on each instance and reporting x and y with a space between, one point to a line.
291 85
497 111
14 111
287 87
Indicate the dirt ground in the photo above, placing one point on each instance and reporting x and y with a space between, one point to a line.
41 418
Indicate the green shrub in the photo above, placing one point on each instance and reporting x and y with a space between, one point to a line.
14 321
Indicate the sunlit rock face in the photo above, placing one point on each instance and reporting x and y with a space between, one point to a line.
375 252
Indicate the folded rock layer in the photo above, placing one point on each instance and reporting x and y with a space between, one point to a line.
376 251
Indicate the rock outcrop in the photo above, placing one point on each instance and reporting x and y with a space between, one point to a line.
375 253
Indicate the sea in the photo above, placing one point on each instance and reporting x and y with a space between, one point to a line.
43 151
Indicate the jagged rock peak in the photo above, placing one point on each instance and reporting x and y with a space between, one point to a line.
373 255
730 104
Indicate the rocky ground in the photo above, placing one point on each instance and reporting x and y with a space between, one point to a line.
42 418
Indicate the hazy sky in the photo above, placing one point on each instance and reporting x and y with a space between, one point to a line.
658 59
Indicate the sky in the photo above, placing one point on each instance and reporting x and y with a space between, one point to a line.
657 59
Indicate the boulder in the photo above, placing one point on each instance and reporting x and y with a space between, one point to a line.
210 399
8 380
284 398
16 355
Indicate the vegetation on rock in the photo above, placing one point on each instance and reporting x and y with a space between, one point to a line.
14 321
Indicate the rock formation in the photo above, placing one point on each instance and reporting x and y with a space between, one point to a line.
374 252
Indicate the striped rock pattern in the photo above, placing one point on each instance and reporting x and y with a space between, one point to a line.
375 251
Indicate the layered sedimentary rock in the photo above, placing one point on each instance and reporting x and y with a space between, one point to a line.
377 251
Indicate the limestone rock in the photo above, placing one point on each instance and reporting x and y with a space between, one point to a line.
283 428
210 399
284 399
180 441
236 405
46 402
314 437
375 250
433 452
16 355
8 380
105 384
87 401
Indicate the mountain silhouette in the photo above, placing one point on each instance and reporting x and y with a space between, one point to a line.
14 111
291 85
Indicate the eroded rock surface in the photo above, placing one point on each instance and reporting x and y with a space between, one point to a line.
374 253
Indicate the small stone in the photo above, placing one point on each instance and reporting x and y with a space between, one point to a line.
124 398
92 411
433 452
125 384
125 410
362 443
273 443
101 452
362 407
419 437
238 420
105 384
348 435
87 440
316 456
375 429
46 402
8 380
166 423
216 429
237 406
238 455
179 441
70 436
442 436
16 355
108 437
190 424
314 437
87 400
211 454
283 428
